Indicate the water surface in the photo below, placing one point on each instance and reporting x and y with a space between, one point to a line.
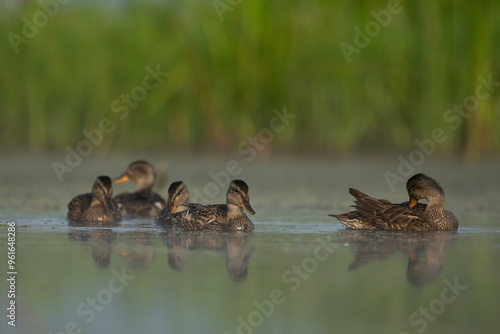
299 271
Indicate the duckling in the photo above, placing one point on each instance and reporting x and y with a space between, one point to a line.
380 214
143 202
96 206
222 217
178 201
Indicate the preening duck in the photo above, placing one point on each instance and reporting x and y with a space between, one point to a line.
96 206
380 214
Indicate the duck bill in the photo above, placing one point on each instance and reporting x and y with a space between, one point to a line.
247 207
123 178
413 203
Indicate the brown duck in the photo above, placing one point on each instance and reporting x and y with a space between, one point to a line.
221 217
96 206
380 214
143 202
178 201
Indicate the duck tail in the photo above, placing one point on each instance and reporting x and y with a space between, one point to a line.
339 217
365 205
349 219
357 194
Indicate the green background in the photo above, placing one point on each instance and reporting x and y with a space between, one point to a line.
229 70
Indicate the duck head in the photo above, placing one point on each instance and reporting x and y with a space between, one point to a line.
421 186
178 197
237 194
102 191
141 172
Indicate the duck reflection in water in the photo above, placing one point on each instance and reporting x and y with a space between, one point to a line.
138 253
99 236
236 245
425 251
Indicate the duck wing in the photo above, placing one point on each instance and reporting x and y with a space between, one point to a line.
202 217
382 214
77 206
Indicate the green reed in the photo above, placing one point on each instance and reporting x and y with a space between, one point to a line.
225 77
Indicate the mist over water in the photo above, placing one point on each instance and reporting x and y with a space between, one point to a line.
300 270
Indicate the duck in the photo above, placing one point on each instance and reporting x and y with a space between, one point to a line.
143 202
380 214
96 206
219 217
178 201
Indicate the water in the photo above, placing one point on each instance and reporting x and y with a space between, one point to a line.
299 271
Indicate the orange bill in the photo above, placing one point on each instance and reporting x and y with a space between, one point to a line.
413 202
123 178
247 207
172 208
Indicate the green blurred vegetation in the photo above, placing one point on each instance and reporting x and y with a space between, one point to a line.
227 75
